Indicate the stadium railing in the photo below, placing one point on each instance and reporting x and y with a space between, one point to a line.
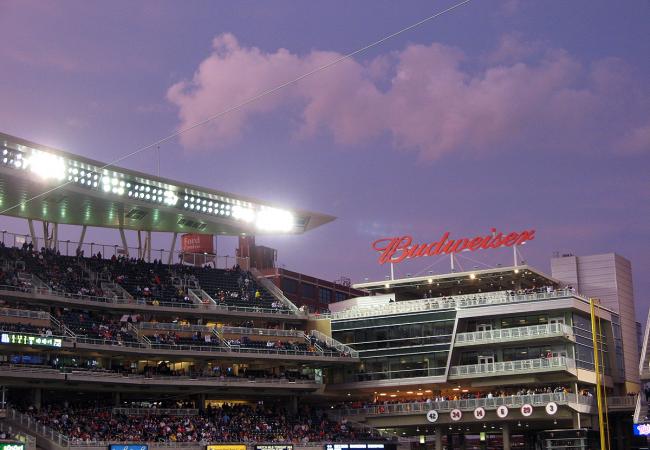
511 401
156 411
216 309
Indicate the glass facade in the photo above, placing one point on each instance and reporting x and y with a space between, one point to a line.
584 343
399 346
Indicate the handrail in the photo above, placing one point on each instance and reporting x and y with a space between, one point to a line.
514 333
32 425
331 342
453 302
61 326
141 337
512 366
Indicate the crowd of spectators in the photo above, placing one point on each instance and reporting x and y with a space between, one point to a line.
228 423
153 283
95 325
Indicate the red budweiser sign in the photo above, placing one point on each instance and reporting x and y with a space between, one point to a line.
397 249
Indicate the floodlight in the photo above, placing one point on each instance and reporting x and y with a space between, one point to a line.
244 214
273 219
44 165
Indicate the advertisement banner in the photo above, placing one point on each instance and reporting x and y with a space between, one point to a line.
197 249
226 447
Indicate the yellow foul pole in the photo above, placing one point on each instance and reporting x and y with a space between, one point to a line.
601 425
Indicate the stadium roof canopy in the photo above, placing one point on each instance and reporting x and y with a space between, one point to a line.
94 194
466 282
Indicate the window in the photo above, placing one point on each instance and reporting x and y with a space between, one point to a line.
325 295
307 290
289 286
340 296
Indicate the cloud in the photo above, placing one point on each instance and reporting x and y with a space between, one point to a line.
432 99
637 140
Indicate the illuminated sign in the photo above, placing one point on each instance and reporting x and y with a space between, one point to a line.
128 447
29 339
12 446
396 249
274 447
642 429
226 447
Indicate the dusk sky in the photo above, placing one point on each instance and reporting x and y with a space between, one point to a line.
507 114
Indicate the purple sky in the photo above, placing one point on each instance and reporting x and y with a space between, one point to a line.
511 114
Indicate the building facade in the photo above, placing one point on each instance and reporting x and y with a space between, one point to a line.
483 359
608 278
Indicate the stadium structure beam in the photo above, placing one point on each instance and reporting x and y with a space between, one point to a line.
32 232
148 245
124 245
82 237
171 249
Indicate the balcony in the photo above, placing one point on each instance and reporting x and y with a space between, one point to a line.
512 401
525 366
513 334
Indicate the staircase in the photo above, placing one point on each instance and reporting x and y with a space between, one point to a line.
276 292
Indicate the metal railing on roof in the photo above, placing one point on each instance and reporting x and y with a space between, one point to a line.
453 302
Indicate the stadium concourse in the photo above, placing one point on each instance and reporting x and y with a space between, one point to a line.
122 347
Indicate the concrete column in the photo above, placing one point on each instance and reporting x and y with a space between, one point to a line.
438 439
116 399
619 434
37 397
293 404
200 400
506 436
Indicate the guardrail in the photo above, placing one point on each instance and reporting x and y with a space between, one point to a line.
16 435
262 332
105 374
453 302
24 314
526 365
513 334
626 402
511 401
